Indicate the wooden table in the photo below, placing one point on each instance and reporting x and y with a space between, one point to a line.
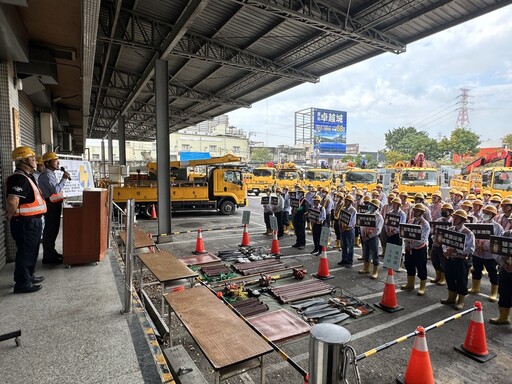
227 341
141 239
166 268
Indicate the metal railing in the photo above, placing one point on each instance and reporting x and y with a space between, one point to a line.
128 271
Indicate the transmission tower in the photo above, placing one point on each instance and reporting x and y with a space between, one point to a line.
462 118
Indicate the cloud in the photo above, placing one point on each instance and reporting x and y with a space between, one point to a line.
418 88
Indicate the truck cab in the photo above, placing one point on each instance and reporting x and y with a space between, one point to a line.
319 176
417 179
287 176
360 178
261 178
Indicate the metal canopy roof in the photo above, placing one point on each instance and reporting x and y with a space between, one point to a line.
227 54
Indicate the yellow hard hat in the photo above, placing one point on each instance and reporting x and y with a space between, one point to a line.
39 160
375 193
397 201
22 152
506 201
467 203
471 196
478 202
464 189
359 192
496 199
50 156
487 192
367 199
349 198
438 194
447 206
490 208
380 186
497 194
419 195
396 191
419 207
317 198
461 213
459 193
403 193
391 195
375 202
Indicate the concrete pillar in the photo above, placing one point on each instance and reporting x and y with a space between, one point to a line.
110 148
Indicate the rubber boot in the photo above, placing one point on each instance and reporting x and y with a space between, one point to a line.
366 268
503 318
291 226
484 271
285 230
375 272
442 280
357 242
438 277
329 241
475 286
460 302
423 286
493 297
452 297
410 284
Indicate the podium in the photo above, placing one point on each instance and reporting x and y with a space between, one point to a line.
85 229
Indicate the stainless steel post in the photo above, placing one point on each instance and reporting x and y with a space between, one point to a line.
110 209
327 358
128 260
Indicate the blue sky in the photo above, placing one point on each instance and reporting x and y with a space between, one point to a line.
419 88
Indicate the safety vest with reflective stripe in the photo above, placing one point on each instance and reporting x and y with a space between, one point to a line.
37 207
56 197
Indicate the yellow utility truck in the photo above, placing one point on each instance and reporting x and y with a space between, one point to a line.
318 176
287 175
360 178
222 188
260 179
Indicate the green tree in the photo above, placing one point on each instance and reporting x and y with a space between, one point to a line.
261 155
507 141
464 142
392 157
409 141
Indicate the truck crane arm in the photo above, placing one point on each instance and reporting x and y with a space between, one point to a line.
504 155
229 158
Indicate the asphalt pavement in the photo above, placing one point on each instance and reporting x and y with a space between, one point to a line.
367 332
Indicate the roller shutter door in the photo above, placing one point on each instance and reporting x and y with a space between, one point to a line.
2 227
27 124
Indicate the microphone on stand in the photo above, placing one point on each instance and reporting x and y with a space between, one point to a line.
63 170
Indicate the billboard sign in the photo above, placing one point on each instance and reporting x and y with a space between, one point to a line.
330 131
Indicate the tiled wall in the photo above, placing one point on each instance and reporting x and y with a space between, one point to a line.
8 100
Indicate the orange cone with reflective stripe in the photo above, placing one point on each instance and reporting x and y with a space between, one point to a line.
323 267
245 238
419 369
388 302
475 345
153 212
199 243
274 249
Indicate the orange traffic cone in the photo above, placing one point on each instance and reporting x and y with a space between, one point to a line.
475 345
199 243
151 249
323 267
274 250
419 369
245 238
388 302
153 212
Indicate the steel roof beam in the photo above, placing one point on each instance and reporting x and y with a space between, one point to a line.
187 17
328 19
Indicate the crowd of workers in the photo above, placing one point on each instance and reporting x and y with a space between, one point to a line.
337 208
33 194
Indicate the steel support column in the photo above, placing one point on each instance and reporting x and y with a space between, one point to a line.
121 136
163 146
103 162
110 148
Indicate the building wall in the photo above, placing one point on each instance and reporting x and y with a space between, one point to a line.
215 145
